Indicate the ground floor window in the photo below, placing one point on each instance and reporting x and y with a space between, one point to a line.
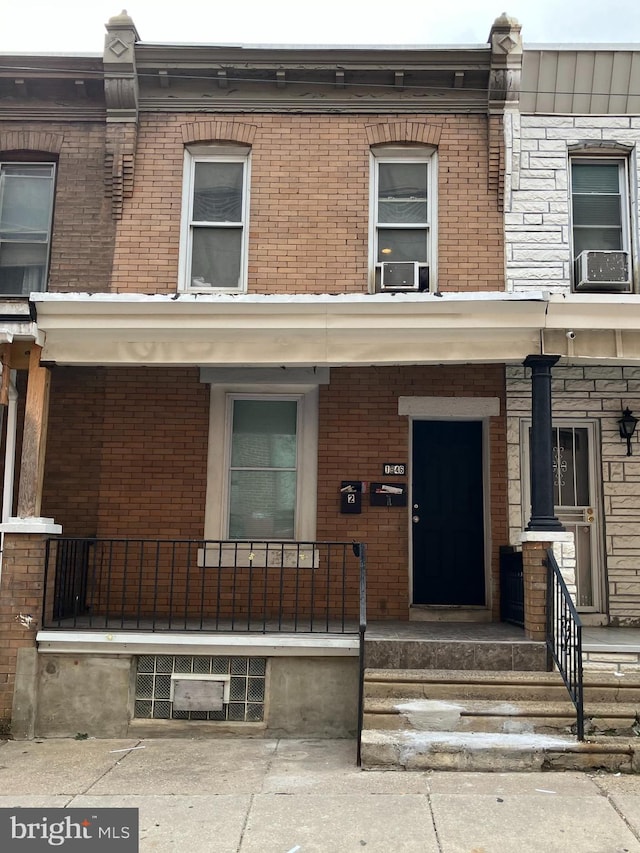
262 470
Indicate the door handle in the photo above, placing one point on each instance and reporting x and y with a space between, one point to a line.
589 515
415 519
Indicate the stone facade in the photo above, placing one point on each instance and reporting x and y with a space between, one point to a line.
537 203
591 394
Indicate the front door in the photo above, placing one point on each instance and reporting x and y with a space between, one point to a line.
576 504
447 513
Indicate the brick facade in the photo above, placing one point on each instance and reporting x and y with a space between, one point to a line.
309 201
83 229
133 463
21 601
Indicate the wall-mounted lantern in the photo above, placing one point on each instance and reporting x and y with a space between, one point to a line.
627 424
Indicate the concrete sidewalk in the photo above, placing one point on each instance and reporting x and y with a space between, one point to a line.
278 796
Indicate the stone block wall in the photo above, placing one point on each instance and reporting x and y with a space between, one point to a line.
592 393
537 203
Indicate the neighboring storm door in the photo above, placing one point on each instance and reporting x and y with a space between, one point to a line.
574 484
447 510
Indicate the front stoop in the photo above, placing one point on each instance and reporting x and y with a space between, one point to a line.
455 654
461 720
493 752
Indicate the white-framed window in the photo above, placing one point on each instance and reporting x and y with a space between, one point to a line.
402 215
262 470
215 205
26 214
600 223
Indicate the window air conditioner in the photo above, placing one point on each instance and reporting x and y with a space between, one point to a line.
599 270
405 276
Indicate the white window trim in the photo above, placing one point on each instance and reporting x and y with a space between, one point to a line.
408 154
217 498
203 154
54 174
623 174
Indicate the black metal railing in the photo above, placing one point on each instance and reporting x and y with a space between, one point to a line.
360 550
511 586
564 637
204 585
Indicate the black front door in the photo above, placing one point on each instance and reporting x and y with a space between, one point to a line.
447 510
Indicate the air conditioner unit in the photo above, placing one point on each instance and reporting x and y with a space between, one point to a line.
601 270
403 276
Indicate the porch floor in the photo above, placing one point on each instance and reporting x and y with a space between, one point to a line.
594 638
612 640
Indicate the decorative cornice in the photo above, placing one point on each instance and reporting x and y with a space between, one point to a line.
444 103
506 63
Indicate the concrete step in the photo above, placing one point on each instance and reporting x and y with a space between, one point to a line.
519 655
493 752
612 718
492 685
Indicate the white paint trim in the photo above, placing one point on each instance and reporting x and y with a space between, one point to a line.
218 454
449 407
267 645
212 153
545 536
31 525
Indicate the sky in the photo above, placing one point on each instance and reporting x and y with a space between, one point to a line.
63 26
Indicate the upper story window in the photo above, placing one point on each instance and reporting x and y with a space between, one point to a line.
214 219
600 224
402 219
26 212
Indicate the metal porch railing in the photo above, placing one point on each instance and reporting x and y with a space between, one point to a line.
204 585
564 637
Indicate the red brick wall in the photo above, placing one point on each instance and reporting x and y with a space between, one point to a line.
22 586
148 437
309 205
83 230
360 430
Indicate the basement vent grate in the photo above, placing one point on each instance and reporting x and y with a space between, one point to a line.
246 691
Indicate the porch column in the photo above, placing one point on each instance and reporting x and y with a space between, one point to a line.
543 515
34 437
24 539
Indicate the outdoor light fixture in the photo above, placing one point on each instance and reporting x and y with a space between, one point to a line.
627 424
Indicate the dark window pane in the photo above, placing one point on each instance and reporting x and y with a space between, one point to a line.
217 195
216 256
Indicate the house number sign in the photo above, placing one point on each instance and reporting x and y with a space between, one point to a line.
398 469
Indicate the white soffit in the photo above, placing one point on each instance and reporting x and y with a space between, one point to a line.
298 330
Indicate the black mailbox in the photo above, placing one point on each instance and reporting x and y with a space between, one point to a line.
388 494
351 496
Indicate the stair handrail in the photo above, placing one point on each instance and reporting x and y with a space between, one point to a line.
564 637
360 550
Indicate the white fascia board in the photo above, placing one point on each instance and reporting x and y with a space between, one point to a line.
255 330
134 311
162 643
593 311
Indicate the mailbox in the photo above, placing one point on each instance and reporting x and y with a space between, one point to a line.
388 494
351 496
